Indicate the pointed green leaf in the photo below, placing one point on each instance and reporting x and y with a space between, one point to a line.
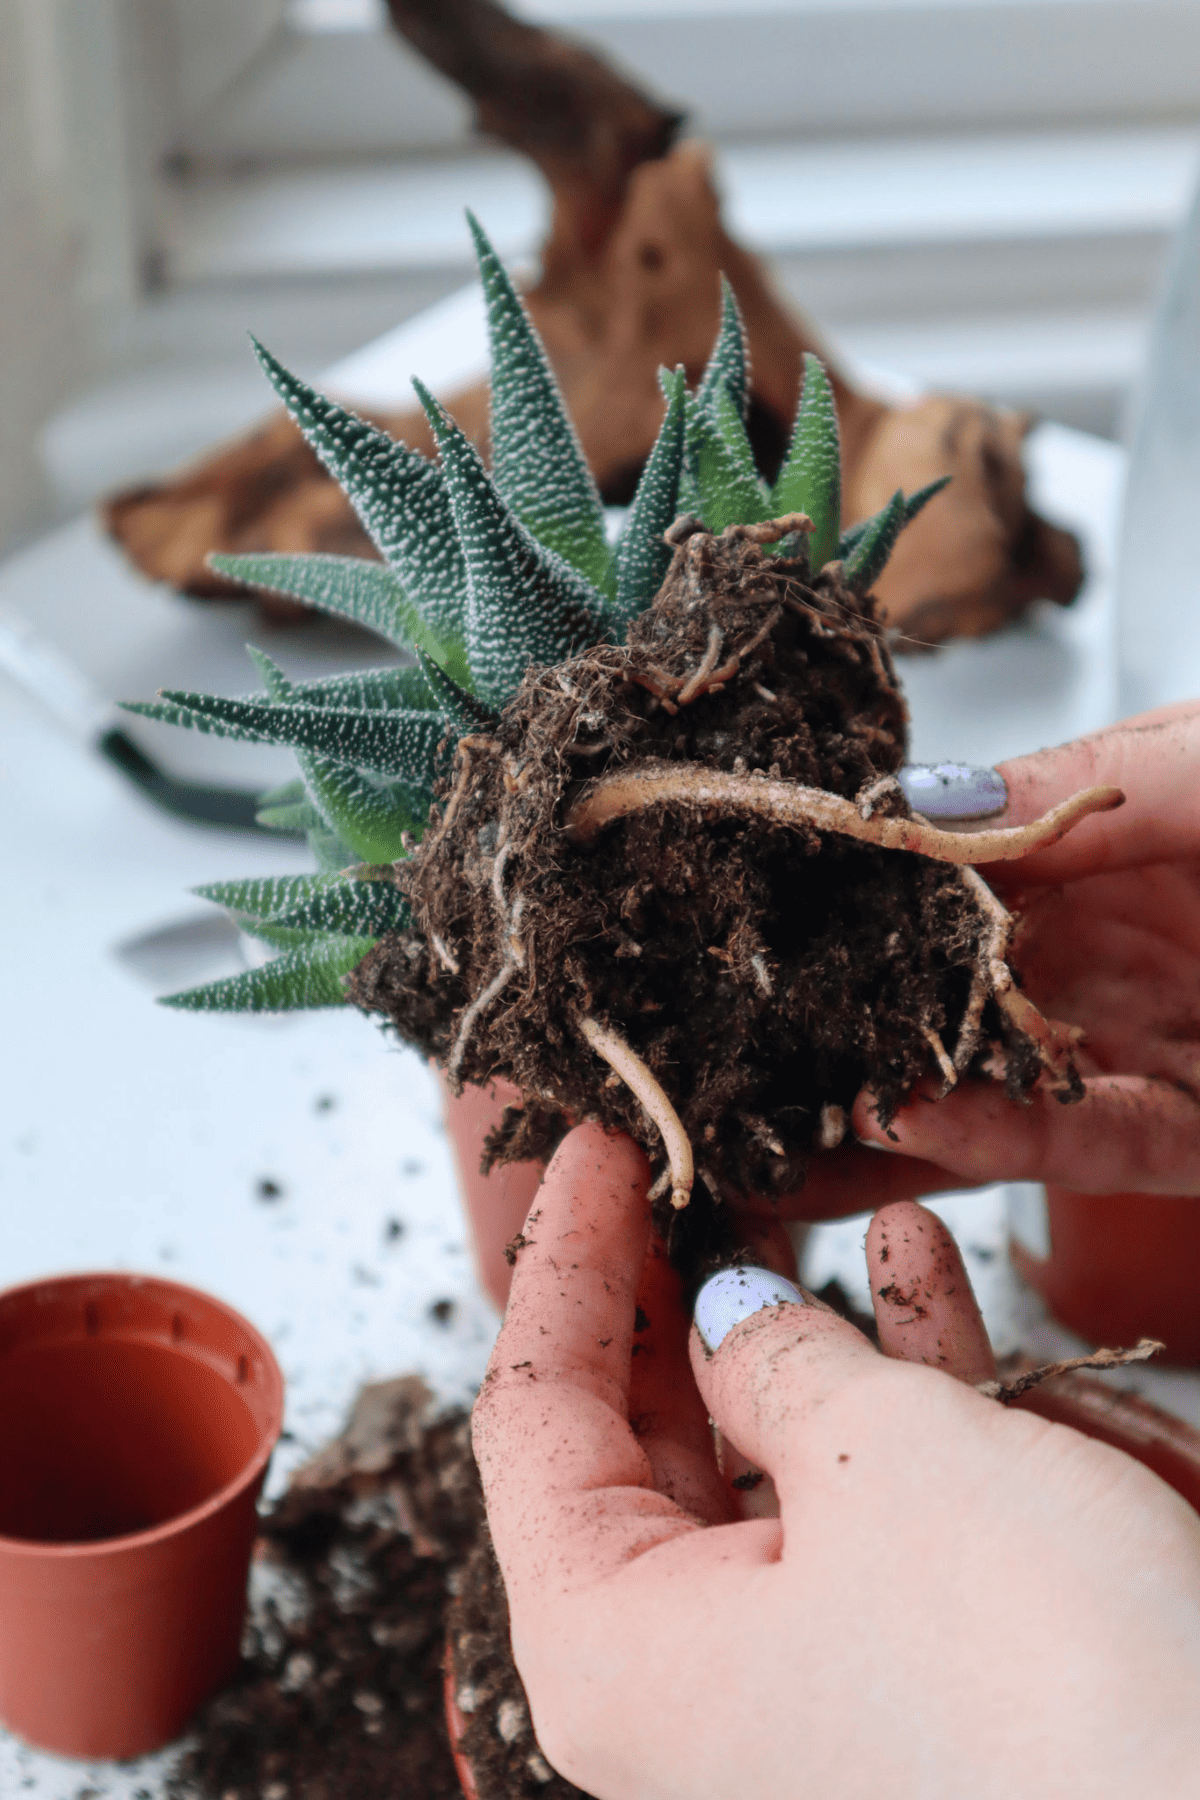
264 897
453 702
729 364
368 593
296 815
866 561
537 460
350 908
311 975
728 493
360 811
810 480
642 556
364 690
915 503
728 421
399 496
397 743
524 603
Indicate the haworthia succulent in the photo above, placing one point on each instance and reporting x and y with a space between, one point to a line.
538 463
869 555
350 908
728 493
311 975
399 496
366 814
453 701
642 556
810 480
728 421
372 690
729 364
524 603
370 594
912 506
402 744
265 896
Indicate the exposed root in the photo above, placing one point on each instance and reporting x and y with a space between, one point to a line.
949 1072
478 1006
642 785
444 954
1006 1391
638 1078
696 682
1053 1042
866 800
464 748
831 1128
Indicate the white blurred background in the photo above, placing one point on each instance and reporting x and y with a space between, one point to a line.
969 193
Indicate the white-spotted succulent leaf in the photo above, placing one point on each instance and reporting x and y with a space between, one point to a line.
397 493
368 593
642 556
538 463
524 603
866 561
729 365
455 703
810 480
357 811
400 744
310 975
915 503
728 492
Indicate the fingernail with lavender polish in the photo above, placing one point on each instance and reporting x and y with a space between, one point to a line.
732 1295
953 790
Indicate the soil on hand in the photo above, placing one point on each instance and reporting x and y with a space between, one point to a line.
763 972
374 1559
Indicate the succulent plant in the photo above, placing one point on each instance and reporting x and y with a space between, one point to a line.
647 783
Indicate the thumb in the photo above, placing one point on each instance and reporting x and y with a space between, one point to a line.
766 1356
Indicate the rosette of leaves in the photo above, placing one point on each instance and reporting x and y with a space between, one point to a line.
624 827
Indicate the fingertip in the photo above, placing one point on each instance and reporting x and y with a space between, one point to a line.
925 1307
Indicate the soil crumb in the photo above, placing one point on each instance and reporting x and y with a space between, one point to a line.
378 1549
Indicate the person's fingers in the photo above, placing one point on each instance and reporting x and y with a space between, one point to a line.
666 1414
925 1309
1154 758
853 1179
766 1360
569 1489
1128 1134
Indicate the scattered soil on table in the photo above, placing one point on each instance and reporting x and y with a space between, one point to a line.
763 972
378 1548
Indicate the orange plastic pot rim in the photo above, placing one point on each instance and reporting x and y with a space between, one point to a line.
251 1472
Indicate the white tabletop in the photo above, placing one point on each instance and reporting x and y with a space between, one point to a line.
136 1137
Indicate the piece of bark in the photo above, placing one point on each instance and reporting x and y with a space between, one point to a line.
583 125
611 311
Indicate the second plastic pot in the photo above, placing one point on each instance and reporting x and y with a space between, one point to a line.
137 1418
1114 1267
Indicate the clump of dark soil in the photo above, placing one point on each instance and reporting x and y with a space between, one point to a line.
378 1551
762 971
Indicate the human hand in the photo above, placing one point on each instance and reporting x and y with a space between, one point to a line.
1109 940
957 1599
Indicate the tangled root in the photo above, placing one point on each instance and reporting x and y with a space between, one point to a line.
689 859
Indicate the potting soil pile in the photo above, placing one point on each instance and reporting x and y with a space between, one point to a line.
376 1552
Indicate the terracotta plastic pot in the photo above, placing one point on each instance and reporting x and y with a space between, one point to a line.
137 1418
1116 1267
456 1724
